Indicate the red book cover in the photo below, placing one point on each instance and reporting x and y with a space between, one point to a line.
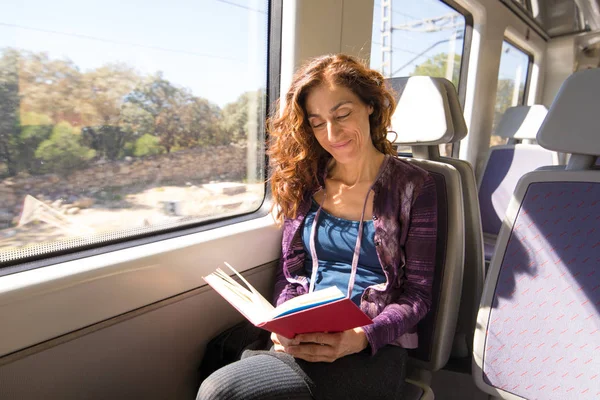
332 317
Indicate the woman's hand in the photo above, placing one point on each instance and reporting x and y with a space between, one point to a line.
322 347
283 344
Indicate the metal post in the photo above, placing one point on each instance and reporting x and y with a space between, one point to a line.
386 38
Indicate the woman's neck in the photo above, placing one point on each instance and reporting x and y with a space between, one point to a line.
364 169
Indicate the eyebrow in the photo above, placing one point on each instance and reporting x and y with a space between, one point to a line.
338 105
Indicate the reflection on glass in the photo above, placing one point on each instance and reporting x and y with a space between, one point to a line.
421 38
128 122
512 77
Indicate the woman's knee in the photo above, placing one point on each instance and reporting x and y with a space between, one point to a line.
210 389
258 377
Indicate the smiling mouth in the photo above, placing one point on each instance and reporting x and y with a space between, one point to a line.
338 145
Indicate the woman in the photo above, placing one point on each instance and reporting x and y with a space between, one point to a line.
353 216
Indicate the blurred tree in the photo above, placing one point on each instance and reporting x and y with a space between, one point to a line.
164 102
54 88
236 115
504 100
147 145
35 128
202 121
436 67
63 152
105 90
9 109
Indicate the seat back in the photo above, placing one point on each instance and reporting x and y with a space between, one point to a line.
504 167
436 330
423 120
538 330
473 273
506 164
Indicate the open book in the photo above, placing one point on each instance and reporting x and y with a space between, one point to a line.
326 310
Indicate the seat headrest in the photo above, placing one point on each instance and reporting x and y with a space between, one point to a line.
521 122
571 125
428 111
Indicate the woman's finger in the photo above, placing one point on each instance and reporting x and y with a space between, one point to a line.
330 339
283 340
275 338
309 351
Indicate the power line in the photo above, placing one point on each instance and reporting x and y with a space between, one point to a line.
241 6
398 12
79 36
399 49
422 54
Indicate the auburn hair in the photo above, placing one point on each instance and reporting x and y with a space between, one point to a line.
295 155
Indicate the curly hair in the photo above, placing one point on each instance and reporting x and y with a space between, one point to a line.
295 155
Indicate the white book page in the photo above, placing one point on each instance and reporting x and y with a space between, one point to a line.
247 301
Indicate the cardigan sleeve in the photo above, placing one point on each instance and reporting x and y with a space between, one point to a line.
292 257
411 306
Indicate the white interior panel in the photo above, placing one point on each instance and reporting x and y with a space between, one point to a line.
154 354
44 303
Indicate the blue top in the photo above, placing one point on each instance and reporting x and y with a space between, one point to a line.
334 243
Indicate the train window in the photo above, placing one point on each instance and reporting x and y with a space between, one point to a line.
512 81
418 38
141 118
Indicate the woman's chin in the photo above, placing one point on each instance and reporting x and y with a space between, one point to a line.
344 157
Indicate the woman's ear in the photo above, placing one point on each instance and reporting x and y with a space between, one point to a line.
370 109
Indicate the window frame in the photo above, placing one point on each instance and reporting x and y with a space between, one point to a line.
530 62
526 16
44 259
464 62
527 85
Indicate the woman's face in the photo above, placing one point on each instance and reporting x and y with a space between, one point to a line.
340 121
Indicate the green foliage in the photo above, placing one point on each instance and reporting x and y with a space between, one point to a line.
505 98
436 67
63 152
201 121
9 109
46 103
163 101
29 140
108 141
236 122
148 145
136 121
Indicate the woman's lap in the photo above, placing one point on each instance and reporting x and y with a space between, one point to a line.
270 375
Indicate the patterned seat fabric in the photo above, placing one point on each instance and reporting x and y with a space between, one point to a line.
543 336
506 165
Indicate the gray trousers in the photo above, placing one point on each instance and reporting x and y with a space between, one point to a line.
275 376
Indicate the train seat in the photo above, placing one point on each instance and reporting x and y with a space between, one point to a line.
537 335
423 121
473 274
505 164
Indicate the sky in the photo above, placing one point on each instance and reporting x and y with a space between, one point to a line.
216 48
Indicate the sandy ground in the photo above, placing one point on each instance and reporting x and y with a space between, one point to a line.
153 206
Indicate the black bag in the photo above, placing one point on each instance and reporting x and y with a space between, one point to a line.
228 346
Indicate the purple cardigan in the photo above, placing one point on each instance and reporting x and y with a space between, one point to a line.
405 220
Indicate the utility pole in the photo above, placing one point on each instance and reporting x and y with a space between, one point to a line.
386 38
425 25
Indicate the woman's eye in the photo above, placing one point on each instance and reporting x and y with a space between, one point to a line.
318 125
343 115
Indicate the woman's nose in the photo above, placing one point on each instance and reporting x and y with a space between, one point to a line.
332 131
